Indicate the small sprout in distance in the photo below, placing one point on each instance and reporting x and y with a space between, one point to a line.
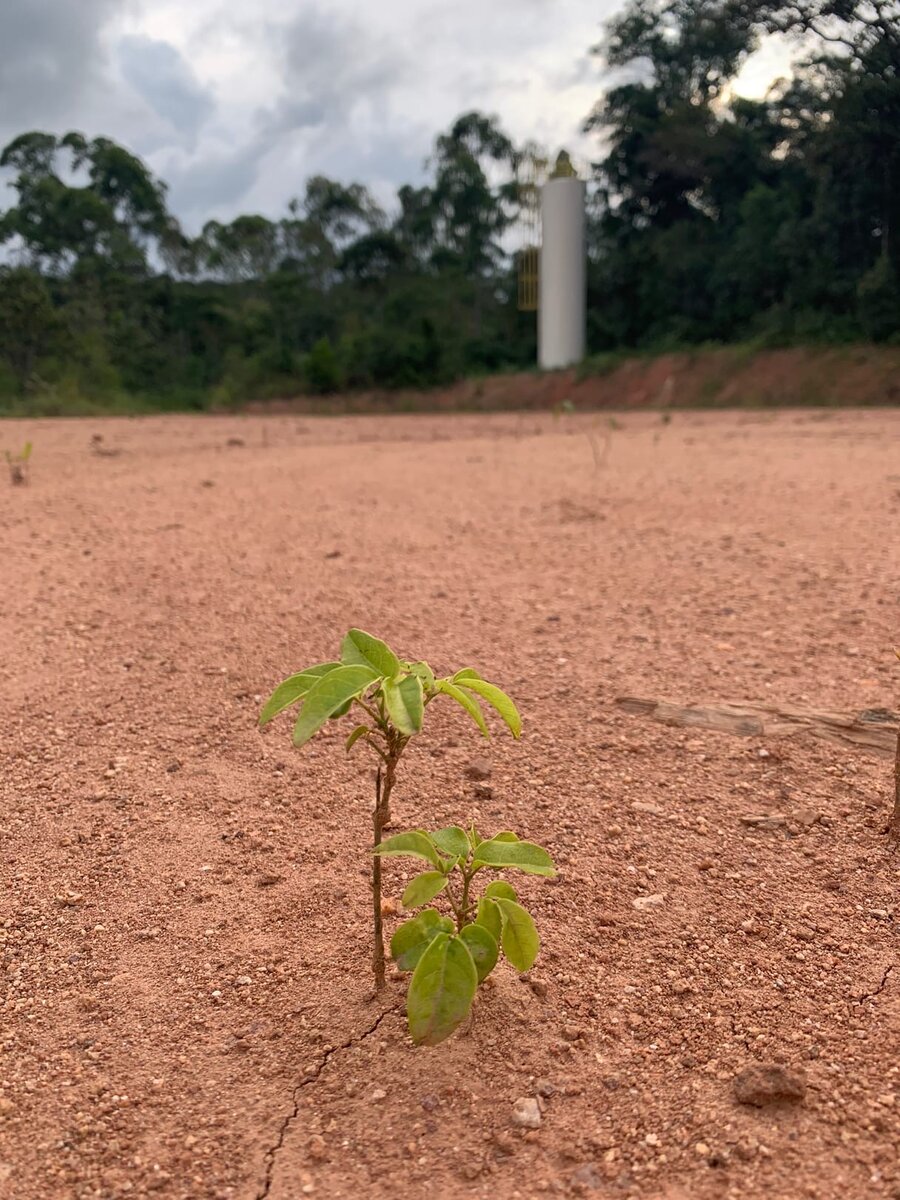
18 465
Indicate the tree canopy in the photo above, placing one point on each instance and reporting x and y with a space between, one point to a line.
712 218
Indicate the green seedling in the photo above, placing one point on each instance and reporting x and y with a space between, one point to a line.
600 448
563 409
390 697
450 957
18 464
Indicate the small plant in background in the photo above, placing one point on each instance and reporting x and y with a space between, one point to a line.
563 408
601 448
18 464
450 957
101 450
391 697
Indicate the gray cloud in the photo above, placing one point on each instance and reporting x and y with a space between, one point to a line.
161 77
330 66
235 109
214 184
52 59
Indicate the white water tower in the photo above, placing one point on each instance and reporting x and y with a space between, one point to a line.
553 279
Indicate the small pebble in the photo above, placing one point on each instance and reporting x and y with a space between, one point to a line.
642 903
479 769
527 1113
768 1083
318 1150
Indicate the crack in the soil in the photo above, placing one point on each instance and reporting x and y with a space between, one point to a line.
871 995
310 1078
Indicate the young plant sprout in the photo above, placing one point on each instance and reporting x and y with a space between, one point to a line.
390 697
450 958
18 464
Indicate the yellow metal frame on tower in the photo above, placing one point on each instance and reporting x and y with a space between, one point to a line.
533 172
529 258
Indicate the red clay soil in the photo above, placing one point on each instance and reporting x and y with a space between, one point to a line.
186 1006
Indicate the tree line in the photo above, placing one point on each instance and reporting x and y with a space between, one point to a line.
712 218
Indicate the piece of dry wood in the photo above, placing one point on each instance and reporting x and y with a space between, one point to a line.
873 730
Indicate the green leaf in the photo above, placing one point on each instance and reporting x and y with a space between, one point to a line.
293 689
416 843
358 732
414 937
451 840
424 673
506 836
483 948
342 711
405 703
522 856
519 938
500 888
465 673
423 888
441 990
361 649
488 915
498 700
472 707
327 695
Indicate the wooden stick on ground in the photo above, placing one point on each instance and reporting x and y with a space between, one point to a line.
874 730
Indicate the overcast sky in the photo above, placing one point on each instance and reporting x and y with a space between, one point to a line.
235 104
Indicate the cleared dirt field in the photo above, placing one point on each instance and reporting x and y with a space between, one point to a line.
186 1005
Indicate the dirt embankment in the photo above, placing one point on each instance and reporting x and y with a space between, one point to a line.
728 378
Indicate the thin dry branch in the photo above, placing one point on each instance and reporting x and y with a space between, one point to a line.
874 730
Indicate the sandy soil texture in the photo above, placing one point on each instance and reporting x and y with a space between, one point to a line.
184 916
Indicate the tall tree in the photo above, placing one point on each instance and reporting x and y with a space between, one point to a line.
473 198
114 216
246 248
665 134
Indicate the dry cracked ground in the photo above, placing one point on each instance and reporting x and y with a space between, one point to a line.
186 1003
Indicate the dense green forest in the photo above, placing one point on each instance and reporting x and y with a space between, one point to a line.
712 219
